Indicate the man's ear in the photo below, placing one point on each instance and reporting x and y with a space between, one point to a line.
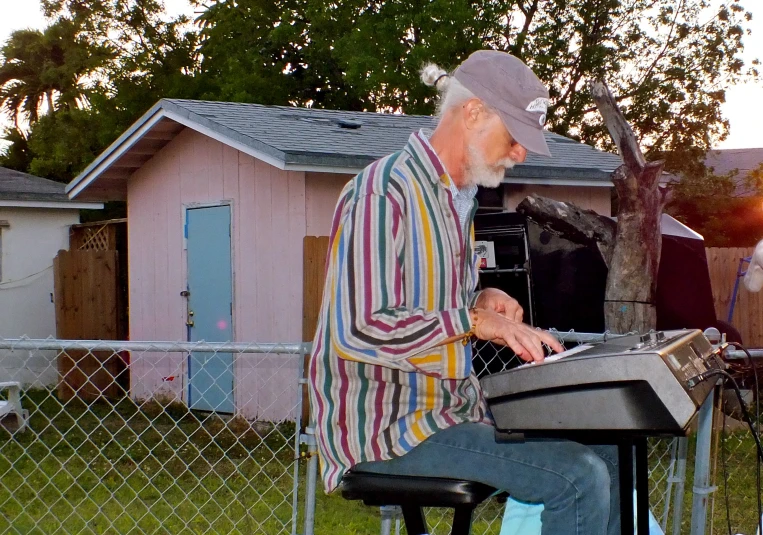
472 110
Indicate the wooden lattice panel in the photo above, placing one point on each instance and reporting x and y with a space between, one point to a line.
96 239
93 238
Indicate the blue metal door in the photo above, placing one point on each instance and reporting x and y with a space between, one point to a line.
210 310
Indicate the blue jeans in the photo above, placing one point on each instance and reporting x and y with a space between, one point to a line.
577 484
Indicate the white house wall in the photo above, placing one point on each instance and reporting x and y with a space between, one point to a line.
29 245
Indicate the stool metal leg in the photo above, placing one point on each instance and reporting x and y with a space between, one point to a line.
462 521
415 523
388 513
386 525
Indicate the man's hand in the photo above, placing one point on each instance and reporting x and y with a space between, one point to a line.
525 341
500 302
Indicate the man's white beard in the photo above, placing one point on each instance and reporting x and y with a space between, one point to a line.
478 172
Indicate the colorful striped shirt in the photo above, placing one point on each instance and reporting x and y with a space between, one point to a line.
400 277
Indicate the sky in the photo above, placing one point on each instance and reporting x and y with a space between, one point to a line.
743 107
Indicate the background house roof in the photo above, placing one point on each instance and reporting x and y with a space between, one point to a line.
19 189
726 160
314 140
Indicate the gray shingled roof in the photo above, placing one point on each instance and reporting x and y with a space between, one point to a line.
18 186
310 139
744 160
314 136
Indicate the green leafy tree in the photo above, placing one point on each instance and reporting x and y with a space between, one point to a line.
61 144
667 61
273 52
46 69
16 154
153 56
130 54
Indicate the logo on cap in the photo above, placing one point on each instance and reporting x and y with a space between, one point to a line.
540 104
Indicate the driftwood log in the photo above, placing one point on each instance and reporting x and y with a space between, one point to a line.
632 280
572 223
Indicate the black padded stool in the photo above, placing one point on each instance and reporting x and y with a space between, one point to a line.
412 493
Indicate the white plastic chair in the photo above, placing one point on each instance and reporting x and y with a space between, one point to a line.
13 404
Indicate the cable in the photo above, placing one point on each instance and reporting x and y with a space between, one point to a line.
7 284
745 416
757 420
723 465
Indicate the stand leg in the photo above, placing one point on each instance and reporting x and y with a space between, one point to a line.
625 460
642 487
415 523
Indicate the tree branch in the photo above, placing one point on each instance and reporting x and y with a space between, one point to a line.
619 129
522 35
664 48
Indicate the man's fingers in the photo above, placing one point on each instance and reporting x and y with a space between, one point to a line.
525 345
551 341
533 345
518 349
526 342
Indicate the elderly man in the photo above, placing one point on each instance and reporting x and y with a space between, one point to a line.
391 382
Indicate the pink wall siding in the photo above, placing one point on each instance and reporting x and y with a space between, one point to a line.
268 223
587 197
321 193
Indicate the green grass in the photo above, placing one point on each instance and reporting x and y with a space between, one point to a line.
159 468
741 489
124 468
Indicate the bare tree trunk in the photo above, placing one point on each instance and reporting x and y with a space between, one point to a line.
632 280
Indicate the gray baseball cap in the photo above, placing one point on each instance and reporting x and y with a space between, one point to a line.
508 86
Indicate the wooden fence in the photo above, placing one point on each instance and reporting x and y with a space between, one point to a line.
315 249
748 309
87 308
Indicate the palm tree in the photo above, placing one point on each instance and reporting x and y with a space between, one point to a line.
46 68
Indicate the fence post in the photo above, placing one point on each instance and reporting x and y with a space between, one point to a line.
301 380
702 486
312 471
680 480
670 481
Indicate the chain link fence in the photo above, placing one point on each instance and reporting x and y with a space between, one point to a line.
160 437
735 468
111 443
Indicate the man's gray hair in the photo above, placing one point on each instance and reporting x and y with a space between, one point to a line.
452 92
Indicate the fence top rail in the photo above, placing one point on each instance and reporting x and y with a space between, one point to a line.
738 354
235 347
164 346
249 347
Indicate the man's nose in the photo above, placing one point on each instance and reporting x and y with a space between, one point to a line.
518 153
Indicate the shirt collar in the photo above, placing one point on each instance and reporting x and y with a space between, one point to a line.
466 193
419 148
